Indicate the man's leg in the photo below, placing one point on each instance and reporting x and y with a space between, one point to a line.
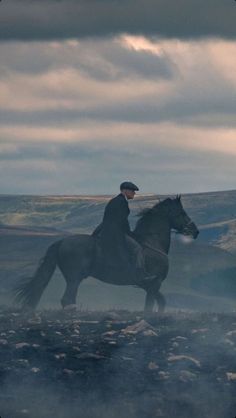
136 252
138 260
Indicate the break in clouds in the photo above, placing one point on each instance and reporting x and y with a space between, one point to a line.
82 110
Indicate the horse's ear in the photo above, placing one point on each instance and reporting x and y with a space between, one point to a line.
178 197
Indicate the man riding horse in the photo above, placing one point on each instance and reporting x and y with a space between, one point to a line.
118 246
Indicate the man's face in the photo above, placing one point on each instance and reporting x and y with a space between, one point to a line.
129 193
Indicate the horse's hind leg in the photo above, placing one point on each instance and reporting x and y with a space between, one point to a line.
161 301
73 279
149 302
70 294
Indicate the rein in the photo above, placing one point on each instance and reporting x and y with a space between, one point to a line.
155 250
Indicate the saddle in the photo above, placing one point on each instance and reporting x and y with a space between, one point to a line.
108 269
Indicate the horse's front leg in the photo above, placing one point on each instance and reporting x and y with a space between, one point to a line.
154 295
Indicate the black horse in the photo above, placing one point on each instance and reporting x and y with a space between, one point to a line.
75 256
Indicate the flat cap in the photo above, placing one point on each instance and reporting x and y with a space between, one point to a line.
128 185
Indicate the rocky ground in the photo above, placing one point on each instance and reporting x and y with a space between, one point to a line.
117 364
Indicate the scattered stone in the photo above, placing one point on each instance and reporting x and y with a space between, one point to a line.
76 348
112 316
60 356
22 345
228 342
231 334
200 331
139 327
87 356
186 376
153 366
164 375
184 358
35 369
180 338
149 333
231 376
109 333
22 362
34 321
68 372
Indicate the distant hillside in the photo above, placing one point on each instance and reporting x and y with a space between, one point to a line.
29 224
214 213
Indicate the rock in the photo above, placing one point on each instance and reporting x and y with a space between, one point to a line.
35 369
199 331
22 362
180 338
34 321
231 334
231 376
184 358
149 333
227 341
68 372
87 356
112 316
139 327
21 345
60 356
153 366
163 375
109 333
3 341
186 376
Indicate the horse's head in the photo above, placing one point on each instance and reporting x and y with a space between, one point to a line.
179 220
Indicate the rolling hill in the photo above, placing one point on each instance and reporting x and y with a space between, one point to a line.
29 224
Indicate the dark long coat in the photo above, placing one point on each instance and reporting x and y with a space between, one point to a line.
114 228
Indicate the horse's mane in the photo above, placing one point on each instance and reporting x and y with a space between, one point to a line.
146 215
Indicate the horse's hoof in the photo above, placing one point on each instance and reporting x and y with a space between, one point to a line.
71 307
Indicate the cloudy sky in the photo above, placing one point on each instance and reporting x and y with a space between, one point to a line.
94 92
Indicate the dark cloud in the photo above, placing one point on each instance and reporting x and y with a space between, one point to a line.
180 110
60 19
101 60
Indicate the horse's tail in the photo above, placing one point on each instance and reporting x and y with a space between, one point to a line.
30 290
